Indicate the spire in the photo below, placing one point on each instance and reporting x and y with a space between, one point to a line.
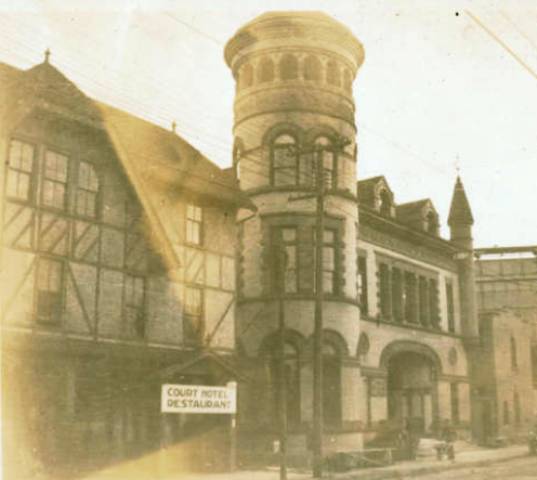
47 55
460 212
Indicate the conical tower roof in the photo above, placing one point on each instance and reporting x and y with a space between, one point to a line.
460 212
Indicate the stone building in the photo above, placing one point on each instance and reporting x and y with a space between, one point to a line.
507 299
117 275
399 309
129 260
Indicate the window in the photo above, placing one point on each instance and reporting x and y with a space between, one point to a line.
194 224
455 416
20 170
385 203
434 319
247 76
331 385
411 303
284 161
333 76
134 305
431 223
424 300
450 307
312 68
324 154
397 295
514 360
49 289
362 284
266 70
285 261
291 382
288 67
329 261
87 190
193 327
54 182
384 290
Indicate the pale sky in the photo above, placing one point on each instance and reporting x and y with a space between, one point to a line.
435 92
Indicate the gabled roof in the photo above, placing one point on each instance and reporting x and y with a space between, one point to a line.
460 212
156 161
413 209
367 189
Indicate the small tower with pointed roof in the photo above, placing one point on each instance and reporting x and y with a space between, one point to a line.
460 223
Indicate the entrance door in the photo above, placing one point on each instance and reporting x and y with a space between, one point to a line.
410 390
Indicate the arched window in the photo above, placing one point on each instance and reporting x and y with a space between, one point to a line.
291 383
324 153
431 223
347 81
333 76
266 70
385 205
312 68
331 384
246 78
288 67
514 360
284 155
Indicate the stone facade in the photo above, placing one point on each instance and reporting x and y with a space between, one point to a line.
293 106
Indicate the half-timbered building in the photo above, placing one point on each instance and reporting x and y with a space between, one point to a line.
117 273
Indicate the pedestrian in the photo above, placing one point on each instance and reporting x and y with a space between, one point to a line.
448 436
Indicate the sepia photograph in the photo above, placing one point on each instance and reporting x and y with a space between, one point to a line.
268 240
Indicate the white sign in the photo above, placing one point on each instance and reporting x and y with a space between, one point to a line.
199 399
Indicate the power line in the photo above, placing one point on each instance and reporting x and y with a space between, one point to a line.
519 30
502 44
194 29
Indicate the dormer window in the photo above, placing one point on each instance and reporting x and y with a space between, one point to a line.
431 223
385 203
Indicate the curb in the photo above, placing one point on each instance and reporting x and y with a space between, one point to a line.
398 474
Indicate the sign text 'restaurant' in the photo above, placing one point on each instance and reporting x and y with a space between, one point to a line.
198 399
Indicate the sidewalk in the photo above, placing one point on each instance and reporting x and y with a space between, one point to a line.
150 468
471 458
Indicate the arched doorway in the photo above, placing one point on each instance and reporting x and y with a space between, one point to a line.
412 390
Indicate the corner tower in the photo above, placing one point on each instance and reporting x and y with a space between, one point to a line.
293 107
460 223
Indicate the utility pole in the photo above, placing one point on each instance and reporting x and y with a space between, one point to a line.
317 438
281 260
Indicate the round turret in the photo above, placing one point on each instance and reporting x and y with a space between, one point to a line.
294 110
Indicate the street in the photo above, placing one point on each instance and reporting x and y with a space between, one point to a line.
519 469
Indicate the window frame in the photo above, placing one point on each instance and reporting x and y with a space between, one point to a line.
194 221
78 189
329 148
43 179
32 174
133 325
41 260
280 242
274 147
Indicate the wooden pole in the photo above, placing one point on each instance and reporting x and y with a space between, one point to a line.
317 437
282 392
